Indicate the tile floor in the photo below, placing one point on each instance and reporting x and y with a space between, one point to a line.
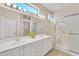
55 52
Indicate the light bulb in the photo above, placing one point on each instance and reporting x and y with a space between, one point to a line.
24 10
14 6
20 8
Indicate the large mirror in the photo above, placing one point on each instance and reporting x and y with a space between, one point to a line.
8 23
26 24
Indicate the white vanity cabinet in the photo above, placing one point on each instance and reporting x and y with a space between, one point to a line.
38 48
12 52
30 49
35 48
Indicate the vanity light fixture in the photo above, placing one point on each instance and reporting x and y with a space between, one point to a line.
21 9
8 4
14 6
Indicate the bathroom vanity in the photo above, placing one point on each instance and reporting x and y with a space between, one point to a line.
16 23
26 46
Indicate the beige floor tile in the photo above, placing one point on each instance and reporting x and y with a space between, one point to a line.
55 52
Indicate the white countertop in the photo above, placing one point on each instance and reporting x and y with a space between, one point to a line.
10 44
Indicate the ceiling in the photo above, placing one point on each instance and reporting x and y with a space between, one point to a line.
58 6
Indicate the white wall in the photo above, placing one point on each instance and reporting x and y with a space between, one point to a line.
66 11
63 27
48 27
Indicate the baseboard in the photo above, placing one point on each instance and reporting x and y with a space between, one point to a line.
66 51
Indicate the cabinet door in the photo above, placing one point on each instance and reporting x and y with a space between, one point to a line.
13 52
30 50
47 45
45 49
40 48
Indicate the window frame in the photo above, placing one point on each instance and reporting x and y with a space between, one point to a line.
30 7
34 7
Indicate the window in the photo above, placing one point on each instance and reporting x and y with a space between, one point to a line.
41 14
51 18
27 7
